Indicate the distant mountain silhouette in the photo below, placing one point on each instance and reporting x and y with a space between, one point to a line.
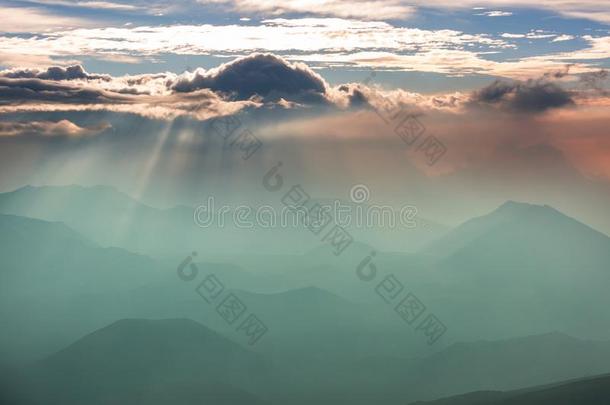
308 309
521 234
141 361
105 215
28 237
325 327
57 276
488 365
493 365
588 391
112 218
512 363
31 248
368 223
522 269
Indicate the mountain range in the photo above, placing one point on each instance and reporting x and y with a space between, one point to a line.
522 291
142 361
112 218
586 391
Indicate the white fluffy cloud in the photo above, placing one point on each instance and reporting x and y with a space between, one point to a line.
496 13
326 41
308 35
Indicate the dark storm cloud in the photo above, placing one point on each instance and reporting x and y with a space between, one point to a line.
264 75
540 97
495 92
532 96
54 73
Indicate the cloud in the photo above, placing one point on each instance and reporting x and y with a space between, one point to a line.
599 48
353 94
104 5
323 40
509 35
532 96
30 20
262 81
36 95
590 9
71 88
53 73
265 75
319 41
563 38
37 90
534 34
451 62
302 34
255 81
595 79
360 9
63 128
383 10
398 10
389 103
27 60
594 85
496 13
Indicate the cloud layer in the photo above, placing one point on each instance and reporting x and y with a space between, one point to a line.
63 128
270 84
317 41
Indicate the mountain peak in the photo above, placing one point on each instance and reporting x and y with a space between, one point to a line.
539 235
152 338
516 206
152 353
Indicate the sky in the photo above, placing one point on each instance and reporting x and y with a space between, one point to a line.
440 43
125 93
